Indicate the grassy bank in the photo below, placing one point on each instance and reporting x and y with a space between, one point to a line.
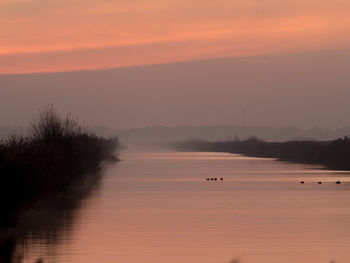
332 154
56 153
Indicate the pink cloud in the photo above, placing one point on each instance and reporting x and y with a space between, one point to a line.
59 35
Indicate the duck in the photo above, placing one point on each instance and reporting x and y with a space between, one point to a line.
221 179
319 182
215 178
302 182
207 179
338 182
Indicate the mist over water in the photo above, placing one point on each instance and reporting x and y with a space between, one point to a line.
119 85
157 206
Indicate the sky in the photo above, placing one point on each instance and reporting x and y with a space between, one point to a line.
142 63
66 35
305 90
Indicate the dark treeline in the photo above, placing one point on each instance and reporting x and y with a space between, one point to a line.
45 163
332 154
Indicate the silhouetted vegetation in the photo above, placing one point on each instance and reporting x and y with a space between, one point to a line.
45 163
47 220
333 154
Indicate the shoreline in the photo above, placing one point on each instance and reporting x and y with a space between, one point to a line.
333 154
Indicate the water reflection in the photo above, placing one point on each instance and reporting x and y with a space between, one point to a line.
158 208
37 232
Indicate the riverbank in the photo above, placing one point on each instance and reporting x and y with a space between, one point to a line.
44 164
333 154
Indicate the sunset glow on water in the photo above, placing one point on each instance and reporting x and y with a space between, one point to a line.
128 130
158 207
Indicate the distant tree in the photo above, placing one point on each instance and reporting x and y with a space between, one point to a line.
50 126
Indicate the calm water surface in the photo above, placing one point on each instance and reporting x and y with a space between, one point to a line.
157 207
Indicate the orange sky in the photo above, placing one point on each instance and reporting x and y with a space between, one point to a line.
63 35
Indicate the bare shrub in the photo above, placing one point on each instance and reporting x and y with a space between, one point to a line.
50 126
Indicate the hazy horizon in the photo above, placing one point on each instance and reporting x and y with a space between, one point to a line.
305 90
212 131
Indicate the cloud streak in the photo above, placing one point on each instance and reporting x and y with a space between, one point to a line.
38 35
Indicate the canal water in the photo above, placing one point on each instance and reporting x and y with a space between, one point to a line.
158 207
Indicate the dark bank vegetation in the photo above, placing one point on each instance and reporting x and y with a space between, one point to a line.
43 164
47 220
333 154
